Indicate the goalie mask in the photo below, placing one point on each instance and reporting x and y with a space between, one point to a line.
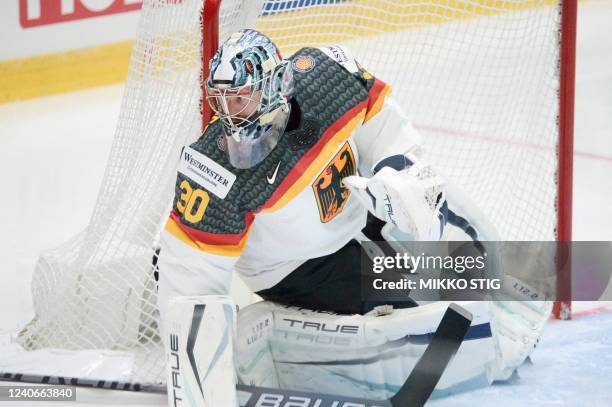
248 89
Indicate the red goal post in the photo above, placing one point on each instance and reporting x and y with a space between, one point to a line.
567 79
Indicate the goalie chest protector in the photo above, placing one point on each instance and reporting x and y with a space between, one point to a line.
327 95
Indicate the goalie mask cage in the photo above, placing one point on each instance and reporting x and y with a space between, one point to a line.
488 83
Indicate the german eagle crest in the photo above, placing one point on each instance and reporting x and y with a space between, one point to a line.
331 195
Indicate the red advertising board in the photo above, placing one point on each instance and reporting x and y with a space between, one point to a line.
34 13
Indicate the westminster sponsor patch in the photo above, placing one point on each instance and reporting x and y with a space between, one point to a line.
206 172
328 188
342 56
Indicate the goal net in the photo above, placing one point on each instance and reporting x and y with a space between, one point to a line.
482 80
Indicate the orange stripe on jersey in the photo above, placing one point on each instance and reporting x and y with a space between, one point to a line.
378 93
187 236
232 239
307 168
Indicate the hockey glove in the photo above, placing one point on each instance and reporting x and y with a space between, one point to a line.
412 199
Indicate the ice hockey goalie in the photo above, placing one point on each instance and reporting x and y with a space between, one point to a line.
304 160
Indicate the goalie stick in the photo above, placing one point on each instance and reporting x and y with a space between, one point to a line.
415 391
433 362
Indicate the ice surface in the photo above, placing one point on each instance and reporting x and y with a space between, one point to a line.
572 366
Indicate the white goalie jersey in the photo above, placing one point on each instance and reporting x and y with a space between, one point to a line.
265 221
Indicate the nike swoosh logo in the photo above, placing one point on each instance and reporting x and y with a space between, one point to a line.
273 177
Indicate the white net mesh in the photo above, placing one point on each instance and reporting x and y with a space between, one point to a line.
478 78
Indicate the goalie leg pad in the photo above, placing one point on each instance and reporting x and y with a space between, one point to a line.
518 327
367 356
199 348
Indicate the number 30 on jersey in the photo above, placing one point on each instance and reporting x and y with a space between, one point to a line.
192 202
